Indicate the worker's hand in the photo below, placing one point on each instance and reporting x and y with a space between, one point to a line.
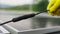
54 7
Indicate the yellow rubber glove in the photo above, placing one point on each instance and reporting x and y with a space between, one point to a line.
54 7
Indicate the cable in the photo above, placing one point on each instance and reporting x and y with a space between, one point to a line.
23 17
5 23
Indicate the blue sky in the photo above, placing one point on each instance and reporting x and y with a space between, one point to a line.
16 2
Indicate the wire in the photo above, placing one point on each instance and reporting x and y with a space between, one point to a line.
5 23
23 17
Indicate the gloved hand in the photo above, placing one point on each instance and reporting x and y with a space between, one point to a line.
54 7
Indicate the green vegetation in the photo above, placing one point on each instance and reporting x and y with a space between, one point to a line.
35 7
22 7
40 6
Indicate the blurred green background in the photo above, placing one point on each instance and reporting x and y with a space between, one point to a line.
36 6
